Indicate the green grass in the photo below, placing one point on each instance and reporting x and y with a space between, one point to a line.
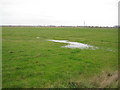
29 62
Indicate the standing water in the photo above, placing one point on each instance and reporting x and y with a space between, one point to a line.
74 44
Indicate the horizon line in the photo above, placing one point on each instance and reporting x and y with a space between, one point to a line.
55 26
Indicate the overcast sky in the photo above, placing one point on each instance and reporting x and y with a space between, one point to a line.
59 12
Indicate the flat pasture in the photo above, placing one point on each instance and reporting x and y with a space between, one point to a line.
29 60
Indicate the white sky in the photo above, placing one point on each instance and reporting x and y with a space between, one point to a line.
59 12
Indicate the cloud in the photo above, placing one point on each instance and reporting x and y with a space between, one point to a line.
60 12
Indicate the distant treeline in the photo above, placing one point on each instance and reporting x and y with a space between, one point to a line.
58 26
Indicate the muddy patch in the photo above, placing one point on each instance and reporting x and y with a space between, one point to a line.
75 44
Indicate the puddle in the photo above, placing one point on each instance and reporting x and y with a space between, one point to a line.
75 44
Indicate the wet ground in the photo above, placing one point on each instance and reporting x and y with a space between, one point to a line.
75 44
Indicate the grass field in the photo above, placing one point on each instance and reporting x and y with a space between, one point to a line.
30 62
